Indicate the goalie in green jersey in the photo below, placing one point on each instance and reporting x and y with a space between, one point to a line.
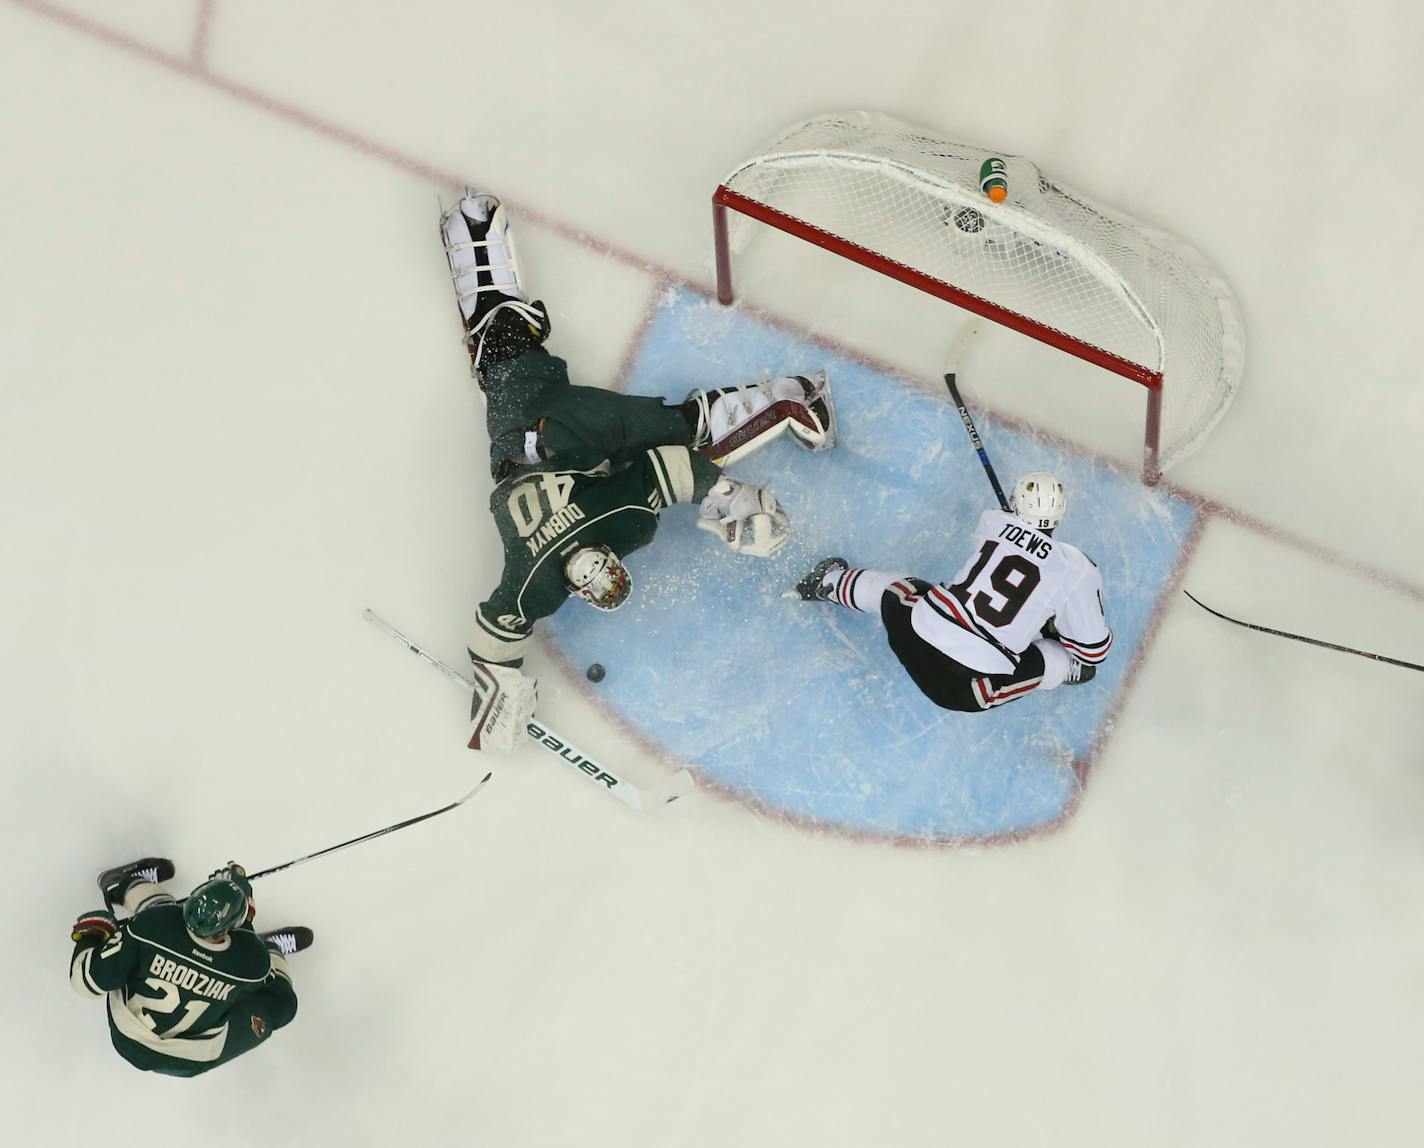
565 533
534 414
188 986
582 474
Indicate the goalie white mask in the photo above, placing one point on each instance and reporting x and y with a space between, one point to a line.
1040 500
595 574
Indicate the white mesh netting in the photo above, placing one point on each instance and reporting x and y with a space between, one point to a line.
1046 252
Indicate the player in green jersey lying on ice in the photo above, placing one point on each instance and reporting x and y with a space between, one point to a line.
582 474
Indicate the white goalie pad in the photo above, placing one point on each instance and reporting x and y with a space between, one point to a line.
480 247
734 422
746 517
502 706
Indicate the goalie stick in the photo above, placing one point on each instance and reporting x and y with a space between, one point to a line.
968 421
1302 637
680 784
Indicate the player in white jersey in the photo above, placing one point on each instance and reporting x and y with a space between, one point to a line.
974 643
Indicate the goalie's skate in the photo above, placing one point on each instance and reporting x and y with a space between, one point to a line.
498 318
813 587
113 882
1079 672
289 939
818 433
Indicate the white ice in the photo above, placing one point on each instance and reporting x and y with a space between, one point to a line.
234 412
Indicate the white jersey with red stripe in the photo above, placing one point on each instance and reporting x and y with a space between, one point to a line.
1016 579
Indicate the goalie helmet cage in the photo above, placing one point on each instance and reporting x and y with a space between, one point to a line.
1047 262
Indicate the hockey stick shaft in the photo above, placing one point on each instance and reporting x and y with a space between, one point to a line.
968 421
626 792
375 833
1302 637
449 671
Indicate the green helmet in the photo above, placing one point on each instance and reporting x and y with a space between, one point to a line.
214 907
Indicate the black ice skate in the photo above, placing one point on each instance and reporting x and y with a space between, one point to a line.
811 588
289 939
1079 672
114 883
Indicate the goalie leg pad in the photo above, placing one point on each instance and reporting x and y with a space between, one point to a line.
499 320
503 703
480 248
734 421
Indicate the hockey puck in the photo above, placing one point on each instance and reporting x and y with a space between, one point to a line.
595 672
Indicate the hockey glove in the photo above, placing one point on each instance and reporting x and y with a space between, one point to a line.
746 517
501 708
99 926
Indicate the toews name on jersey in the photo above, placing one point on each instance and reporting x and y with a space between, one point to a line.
1027 538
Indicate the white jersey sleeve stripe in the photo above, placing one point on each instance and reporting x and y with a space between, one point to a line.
80 976
944 604
1086 652
990 697
905 592
673 466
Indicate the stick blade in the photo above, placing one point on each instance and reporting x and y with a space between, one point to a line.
478 786
679 785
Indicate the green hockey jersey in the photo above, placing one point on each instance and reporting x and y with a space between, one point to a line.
177 1004
532 393
543 514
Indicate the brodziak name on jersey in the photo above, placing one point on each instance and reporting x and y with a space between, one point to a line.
204 984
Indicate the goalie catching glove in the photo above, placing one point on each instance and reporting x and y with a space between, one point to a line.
746 517
502 706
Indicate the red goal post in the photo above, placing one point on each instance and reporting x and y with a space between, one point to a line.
1046 261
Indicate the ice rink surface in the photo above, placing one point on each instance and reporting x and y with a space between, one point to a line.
1178 907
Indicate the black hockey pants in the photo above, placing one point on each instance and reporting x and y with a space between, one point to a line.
944 681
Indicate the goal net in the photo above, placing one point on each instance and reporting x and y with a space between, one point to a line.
1046 261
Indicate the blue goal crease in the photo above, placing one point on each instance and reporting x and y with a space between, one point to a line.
803 706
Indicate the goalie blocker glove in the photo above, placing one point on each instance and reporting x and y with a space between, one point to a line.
502 706
746 517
